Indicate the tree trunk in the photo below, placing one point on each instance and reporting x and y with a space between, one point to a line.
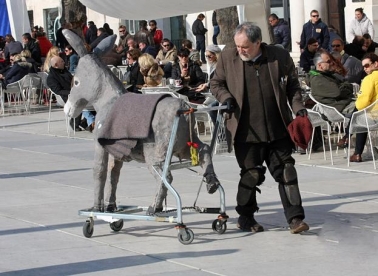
75 13
228 20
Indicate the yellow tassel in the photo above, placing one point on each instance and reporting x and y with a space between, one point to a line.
194 155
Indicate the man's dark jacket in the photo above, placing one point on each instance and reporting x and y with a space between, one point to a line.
59 81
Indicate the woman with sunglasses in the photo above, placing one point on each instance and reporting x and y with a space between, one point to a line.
72 58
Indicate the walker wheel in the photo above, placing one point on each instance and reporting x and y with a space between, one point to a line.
117 225
88 228
189 237
219 226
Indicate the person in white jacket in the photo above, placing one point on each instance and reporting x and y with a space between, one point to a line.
360 25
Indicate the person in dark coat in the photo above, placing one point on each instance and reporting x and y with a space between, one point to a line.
31 45
101 34
11 47
61 41
136 79
281 31
19 70
369 45
316 28
356 47
306 58
215 27
199 31
107 29
91 34
256 82
59 78
143 35
147 49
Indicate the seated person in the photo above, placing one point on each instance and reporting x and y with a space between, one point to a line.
151 71
368 94
194 54
190 75
369 45
306 58
167 56
147 49
211 54
327 87
59 80
19 70
356 47
135 77
27 55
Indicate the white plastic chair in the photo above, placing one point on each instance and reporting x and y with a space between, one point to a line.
332 115
14 91
364 120
61 102
317 121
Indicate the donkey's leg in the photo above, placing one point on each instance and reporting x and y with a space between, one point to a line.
99 176
152 159
114 169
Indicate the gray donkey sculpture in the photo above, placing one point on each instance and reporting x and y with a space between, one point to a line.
94 84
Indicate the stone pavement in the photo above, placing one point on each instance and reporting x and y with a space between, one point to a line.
46 178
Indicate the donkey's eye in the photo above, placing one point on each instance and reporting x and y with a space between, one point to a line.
76 82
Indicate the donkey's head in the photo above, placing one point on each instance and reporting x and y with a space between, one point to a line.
92 77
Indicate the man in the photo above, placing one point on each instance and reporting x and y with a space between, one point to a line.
59 80
31 45
123 37
307 56
317 29
91 34
199 31
326 86
143 35
353 65
281 31
11 47
369 45
147 49
256 81
101 34
156 33
368 94
215 27
61 40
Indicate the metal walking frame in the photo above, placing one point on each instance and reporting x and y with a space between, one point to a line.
185 234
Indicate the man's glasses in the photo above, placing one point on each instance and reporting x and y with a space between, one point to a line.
209 56
317 15
336 46
166 45
367 65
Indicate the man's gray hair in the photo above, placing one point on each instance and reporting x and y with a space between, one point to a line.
317 58
252 31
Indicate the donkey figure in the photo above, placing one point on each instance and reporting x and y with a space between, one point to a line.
94 84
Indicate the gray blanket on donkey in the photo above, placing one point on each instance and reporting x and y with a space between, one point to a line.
129 120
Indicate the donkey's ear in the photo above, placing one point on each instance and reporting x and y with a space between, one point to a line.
76 42
105 45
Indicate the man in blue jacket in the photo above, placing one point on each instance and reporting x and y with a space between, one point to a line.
316 28
281 31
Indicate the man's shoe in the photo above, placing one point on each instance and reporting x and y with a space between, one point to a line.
152 211
249 224
212 183
297 226
91 127
343 143
355 158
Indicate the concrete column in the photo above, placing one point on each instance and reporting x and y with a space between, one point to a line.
297 20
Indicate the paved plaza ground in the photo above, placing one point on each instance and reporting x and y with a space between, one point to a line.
45 178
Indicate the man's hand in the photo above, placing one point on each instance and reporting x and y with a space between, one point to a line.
231 105
302 112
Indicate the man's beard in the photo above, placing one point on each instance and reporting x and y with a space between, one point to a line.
245 58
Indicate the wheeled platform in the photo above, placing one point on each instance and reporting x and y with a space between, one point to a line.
185 234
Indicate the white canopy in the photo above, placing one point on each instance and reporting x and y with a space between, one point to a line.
155 9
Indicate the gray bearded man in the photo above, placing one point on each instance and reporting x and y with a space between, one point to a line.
255 81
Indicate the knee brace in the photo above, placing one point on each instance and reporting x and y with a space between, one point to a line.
291 184
248 182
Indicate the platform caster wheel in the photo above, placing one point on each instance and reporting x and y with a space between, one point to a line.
189 237
88 228
219 226
117 225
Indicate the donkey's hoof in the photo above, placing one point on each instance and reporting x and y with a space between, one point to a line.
151 211
212 183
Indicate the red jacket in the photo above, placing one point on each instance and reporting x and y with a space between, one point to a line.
44 45
158 36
